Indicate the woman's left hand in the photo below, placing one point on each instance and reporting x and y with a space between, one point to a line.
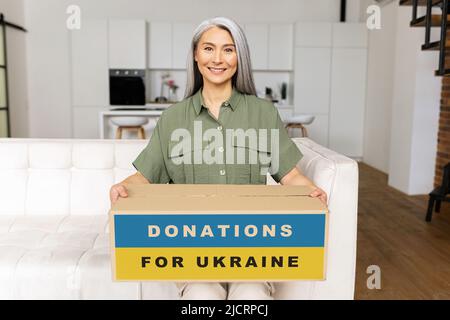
296 178
319 193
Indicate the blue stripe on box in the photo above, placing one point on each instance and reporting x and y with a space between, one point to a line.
132 231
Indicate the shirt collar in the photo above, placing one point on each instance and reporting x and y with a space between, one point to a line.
232 101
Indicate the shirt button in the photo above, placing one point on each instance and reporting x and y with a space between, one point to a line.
222 172
219 128
220 149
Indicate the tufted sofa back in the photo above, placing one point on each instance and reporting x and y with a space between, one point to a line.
62 177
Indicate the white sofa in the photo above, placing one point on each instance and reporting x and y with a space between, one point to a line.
54 202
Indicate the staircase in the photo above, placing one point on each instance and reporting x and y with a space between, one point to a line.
430 20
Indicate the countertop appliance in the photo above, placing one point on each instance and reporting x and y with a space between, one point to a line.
126 87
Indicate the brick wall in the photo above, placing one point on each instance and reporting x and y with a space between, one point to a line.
443 146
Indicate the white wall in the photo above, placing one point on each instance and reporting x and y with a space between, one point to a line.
353 11
425 125
380 82
402 109
415 110
17 68
48 40
48 69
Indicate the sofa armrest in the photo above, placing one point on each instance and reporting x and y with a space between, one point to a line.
338 176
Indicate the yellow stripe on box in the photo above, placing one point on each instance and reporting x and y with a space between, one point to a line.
239 264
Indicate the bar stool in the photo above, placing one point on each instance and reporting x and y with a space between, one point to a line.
131 124
298 122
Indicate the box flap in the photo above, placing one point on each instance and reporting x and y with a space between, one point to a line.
214 198
193 190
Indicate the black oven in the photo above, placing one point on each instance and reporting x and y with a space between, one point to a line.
126 87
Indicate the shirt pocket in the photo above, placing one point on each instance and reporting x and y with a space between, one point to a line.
251 162
187 164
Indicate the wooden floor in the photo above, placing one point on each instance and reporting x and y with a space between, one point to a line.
414 256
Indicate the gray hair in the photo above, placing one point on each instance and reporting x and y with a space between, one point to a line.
243 78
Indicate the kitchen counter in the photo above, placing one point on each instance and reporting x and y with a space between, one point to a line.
147 106
153 111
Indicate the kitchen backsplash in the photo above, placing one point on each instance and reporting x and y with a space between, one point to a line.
154 80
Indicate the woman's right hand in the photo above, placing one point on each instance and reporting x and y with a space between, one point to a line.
117 190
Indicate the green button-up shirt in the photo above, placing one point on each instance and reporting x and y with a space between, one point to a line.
247 141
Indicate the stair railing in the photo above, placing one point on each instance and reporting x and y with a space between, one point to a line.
428 23
443 41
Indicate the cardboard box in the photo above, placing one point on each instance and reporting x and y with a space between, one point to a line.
218 233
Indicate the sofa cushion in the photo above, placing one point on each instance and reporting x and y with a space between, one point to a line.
50 155
6 221
157 290
89 223
74 239
23 239
102 241
89 193
121 174
91 155
9 258
13 190
48 192
48 273
45 223
14 155
126 152
95 278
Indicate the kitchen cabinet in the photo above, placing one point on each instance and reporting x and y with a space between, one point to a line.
348 88
169 44
312 80
281 47
330 83
271 46
258 42
313 34
127 44
85 123
160 45
312 89
90 82
347 35
347 107
182 34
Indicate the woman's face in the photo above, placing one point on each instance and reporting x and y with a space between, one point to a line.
216 56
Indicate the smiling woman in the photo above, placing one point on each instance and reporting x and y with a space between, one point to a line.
220 95
216 60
